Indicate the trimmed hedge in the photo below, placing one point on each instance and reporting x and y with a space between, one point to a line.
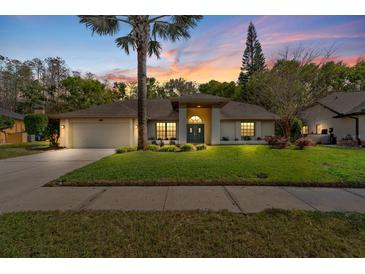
201 147
153 147
125 149
168 148
188 147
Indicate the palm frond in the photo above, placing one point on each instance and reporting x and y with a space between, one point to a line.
160 29
101 24
154 48
187 21
125 42
176 27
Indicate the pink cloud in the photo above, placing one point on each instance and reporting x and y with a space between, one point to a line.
282 38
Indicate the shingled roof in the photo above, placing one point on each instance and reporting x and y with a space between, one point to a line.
200 98
241 111
11 114
345 103
162 109
156 109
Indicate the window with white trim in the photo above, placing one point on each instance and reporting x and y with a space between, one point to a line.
165 130
247 129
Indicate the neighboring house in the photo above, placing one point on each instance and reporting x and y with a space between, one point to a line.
197 118
342 113
17 133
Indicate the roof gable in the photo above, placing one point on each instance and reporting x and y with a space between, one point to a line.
343 102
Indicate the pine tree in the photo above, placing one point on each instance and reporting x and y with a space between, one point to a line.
253 59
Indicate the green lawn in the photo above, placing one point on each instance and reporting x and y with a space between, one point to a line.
249 164
182 234
9 151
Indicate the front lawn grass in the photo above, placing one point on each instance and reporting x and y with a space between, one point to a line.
22 149
230 165
182 234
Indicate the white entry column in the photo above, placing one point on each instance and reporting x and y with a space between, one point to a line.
182 124
216 126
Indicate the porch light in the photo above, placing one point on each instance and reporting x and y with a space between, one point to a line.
62 126
198 106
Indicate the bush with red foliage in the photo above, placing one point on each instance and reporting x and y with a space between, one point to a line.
277 141
303 142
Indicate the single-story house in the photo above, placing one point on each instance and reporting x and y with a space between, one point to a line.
340 113
17 133
198 118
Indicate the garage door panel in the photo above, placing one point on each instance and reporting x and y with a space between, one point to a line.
100 135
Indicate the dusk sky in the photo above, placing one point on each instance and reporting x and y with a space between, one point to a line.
213 52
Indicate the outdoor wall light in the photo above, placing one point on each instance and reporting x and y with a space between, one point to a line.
198 106
62 126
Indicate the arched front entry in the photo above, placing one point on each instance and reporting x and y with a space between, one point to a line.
195 130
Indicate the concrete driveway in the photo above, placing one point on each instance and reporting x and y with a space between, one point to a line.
24 174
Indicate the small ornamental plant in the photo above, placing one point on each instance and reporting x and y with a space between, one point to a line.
153 147
277 142
124 149
168 148
201 147
188 147
303 142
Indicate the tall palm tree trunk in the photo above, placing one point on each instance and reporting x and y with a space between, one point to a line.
142 33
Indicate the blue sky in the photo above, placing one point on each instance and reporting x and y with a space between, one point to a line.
213 52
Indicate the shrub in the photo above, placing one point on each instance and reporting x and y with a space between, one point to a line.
124 149
201 147
246 138
172 142
52 132
153 147
188 147
304 142
277 142
35 124
225 139
161 143
168 148
296 129
154 142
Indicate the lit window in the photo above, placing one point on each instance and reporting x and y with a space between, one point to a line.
318 128
166 130
247 129
195 120
305 130
170 130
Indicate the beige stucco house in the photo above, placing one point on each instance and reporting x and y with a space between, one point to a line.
342 113
17 133
197 118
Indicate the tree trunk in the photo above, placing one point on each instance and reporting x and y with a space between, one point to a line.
142 33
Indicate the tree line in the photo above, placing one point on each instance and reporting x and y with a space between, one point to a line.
295 79
49 83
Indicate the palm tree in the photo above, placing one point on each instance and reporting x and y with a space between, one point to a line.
142 37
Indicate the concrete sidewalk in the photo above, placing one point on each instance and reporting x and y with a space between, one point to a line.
245 199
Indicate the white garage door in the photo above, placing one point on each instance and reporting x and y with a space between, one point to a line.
100 135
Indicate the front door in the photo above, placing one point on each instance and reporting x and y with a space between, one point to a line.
195 133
